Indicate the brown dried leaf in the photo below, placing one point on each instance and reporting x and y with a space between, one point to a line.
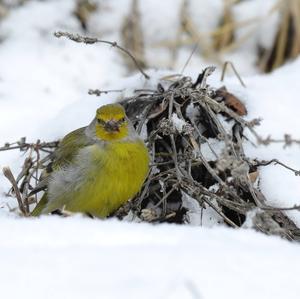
231 101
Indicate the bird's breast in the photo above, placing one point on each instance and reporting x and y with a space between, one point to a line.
119 170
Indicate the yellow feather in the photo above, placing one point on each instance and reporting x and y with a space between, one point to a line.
117 175
108 112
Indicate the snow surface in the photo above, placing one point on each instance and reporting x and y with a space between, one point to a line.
43 94
81 258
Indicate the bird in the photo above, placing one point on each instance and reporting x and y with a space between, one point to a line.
97 168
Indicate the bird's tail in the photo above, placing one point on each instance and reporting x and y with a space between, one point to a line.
40 206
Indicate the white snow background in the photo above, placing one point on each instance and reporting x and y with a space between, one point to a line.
43 94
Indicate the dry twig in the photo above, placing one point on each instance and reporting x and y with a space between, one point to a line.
92 40
99 92
8 174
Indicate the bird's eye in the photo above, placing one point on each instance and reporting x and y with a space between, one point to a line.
101 122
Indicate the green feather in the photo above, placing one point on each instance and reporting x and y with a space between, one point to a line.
40 206
65 153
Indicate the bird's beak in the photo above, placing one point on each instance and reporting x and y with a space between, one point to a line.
111 126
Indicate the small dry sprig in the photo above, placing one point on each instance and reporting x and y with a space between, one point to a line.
98 92
39 155
287 140
8 174
225 67
92 40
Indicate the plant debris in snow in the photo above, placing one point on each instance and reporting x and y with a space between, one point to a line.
195 139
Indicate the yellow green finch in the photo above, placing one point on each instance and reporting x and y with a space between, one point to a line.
96 168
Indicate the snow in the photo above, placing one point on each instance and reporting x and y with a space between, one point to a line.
178 123
110 259
208 216
43 94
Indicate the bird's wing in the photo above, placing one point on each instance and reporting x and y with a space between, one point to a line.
67 150
69 147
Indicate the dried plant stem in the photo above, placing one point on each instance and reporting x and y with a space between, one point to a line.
275 161
8 174
92 40
268 208
225 67
99 92
287 140
198 194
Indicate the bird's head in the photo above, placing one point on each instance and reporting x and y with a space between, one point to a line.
111 122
